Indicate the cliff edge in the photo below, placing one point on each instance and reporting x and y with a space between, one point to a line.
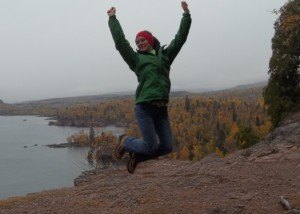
247 181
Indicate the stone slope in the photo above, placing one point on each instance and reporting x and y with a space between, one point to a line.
248 181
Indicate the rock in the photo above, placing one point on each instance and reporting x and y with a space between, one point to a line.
210 158
265 153
246 152
66 145
85 177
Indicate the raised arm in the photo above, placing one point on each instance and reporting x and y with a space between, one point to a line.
176 44
185 7
121 43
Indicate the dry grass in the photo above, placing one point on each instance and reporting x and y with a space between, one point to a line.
16 200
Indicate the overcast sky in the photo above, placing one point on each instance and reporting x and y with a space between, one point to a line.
59 48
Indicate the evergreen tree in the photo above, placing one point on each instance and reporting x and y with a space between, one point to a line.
187 103
234 112
91 135
282 92
220 138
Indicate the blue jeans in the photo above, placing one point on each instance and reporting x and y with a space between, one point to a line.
155 127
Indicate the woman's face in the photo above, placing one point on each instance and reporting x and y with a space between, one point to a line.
143 44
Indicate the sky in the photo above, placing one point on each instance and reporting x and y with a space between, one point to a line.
63 48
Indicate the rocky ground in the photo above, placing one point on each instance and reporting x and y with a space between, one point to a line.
247 181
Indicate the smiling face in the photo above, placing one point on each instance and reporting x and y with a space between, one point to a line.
143 44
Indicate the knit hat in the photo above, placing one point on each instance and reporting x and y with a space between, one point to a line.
147 35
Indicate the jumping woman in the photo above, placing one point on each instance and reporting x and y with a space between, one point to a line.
151 64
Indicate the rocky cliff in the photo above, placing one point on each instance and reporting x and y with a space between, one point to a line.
248 181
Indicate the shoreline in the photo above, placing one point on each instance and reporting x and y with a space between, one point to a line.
66 145
86 124
31 159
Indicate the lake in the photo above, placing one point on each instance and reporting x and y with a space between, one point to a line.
27 165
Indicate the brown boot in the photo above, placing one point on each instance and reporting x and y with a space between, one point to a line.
132 163
120 150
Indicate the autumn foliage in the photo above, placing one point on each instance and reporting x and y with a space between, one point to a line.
217 122
282 94
202 124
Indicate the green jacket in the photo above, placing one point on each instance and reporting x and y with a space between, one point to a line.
152 71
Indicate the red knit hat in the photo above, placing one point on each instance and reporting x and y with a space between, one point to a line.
147 35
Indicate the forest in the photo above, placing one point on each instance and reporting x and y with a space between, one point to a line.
220 122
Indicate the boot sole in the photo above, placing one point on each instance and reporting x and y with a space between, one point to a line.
131 164
117 152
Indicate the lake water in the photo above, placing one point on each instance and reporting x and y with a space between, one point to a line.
27 165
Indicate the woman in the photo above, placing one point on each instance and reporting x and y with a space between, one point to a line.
151 64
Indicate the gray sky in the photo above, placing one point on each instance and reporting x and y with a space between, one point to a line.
59 48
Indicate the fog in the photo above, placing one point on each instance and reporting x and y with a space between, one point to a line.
61 48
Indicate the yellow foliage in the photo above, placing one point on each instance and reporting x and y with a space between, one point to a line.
197 152
184 153
194 131
173 155
210 147
80 138
219 152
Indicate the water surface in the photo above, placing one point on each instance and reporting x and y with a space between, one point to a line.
27 165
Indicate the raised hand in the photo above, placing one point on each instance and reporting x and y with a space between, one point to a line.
184 6
111 11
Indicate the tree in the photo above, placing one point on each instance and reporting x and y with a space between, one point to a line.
234 112
246 137
282 92
92 135
220 138
187 103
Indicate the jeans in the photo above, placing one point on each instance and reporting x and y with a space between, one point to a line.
155 127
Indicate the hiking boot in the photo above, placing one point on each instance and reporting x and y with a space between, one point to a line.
132 163
120 149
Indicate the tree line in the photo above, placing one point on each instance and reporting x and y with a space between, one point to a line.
201 124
